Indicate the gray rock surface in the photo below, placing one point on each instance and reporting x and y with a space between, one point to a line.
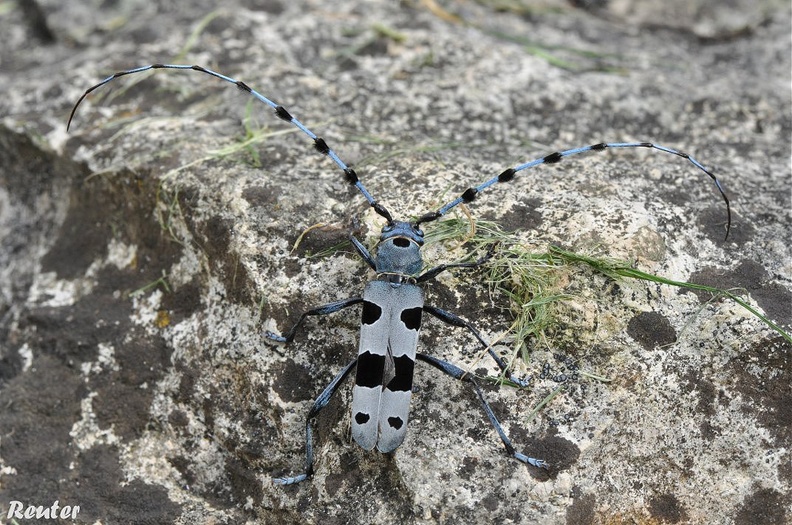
139 268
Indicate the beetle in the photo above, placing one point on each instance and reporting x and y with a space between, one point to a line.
393 303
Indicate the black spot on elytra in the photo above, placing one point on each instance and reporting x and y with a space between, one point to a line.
403 378
362 418
371 313
395 422
369 370
411 317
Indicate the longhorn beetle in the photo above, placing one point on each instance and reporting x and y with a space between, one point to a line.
393 303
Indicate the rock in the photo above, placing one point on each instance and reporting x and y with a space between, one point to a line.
145 253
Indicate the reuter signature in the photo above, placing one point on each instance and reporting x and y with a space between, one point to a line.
20 511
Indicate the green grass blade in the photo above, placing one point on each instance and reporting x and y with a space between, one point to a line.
615 269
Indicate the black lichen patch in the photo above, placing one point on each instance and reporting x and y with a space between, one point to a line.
215 235
40 406
469 466
347 475
293 382
763 507
325 239
708 398
366 474
523 216
37 182
74 332
182 302
762 374
490 502
83 238
666 508
103 208
124 396
712 222
558 452
651 330
772 296
262 196
99 486
707 393
43 403
10 365
581 511
243 481
28 171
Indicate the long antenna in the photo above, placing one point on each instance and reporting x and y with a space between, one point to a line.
282 113
470 194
